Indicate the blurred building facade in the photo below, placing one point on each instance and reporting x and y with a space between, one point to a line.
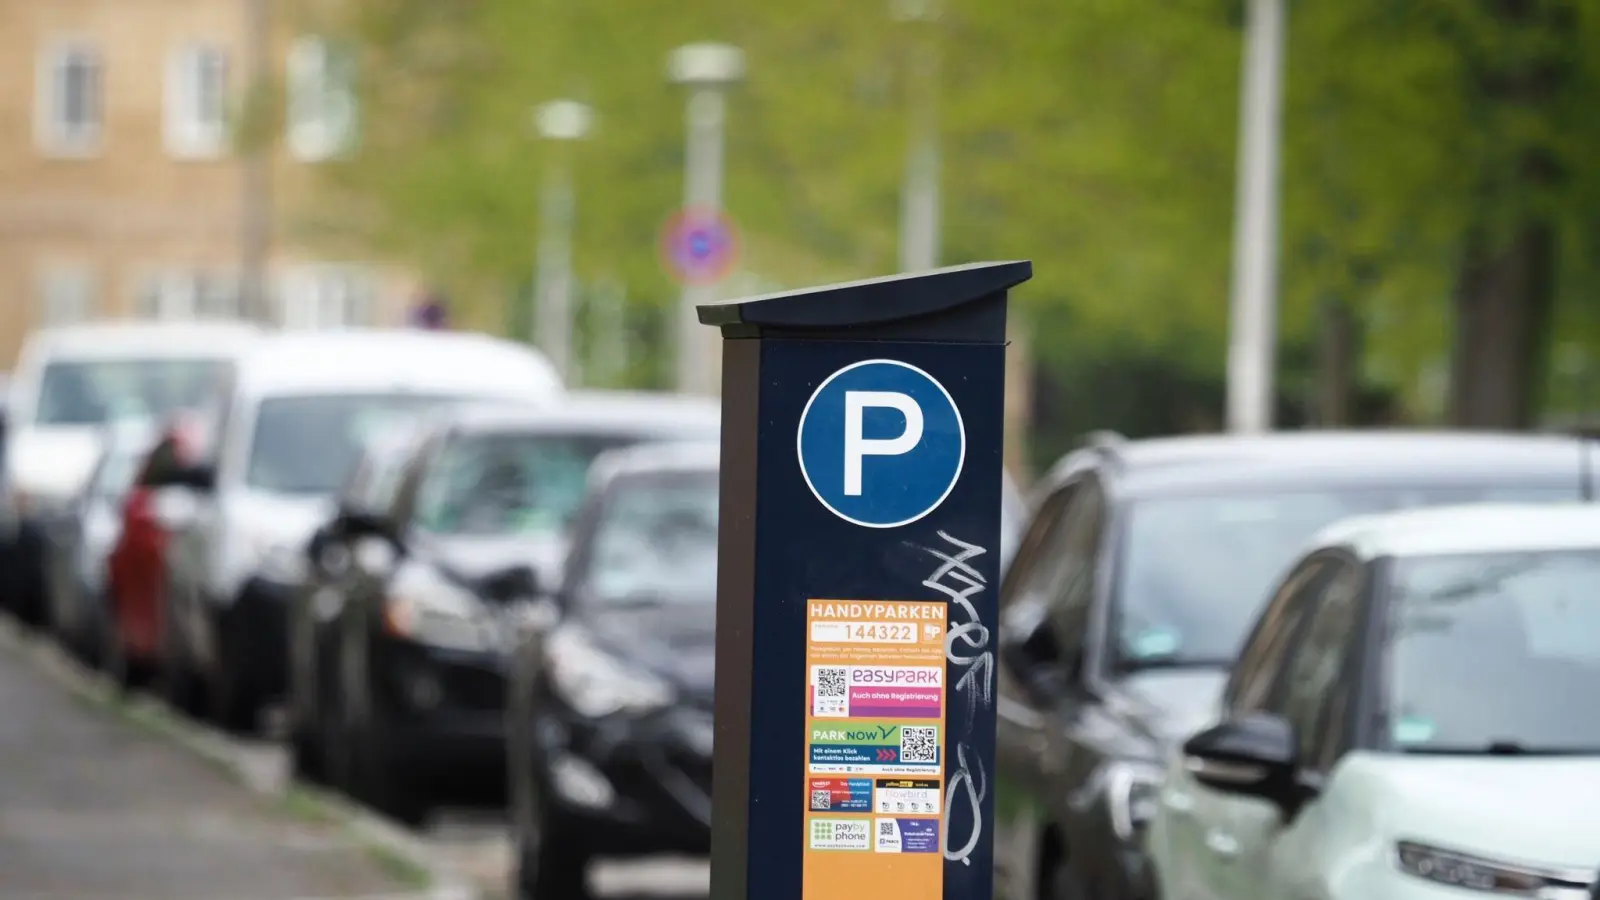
125 188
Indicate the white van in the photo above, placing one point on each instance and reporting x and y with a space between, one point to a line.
295 422
69 384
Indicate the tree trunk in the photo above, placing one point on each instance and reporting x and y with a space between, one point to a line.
1339 353
1503 306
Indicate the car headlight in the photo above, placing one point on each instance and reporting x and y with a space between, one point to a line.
595 683
429 610
1132 792
1468 872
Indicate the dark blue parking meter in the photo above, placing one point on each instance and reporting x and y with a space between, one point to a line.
857 582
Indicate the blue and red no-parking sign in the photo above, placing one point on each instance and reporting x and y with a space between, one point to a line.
699 246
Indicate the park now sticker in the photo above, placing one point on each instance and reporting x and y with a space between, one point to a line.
879 748
881 443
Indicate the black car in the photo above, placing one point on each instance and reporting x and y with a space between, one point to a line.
1132 590
608 731
422 583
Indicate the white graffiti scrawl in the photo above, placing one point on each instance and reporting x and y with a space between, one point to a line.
966 646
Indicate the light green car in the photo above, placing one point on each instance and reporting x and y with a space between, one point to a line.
1415 715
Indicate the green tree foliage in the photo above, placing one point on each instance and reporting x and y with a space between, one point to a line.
1097 138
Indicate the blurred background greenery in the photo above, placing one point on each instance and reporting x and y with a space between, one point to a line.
1441 207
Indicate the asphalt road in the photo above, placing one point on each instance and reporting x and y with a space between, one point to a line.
93 807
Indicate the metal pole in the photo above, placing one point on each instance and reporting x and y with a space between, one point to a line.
920 202
608 335
702 193
255 232
554 279
1252 341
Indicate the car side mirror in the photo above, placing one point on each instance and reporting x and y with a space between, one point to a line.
1255 755
174 508
1029 648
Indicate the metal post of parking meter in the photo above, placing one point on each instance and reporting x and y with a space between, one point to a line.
856 588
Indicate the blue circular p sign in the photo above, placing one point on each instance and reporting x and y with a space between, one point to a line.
881 443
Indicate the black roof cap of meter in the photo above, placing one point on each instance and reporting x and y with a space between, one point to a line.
957 303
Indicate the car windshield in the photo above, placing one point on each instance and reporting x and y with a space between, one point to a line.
1195 569
499 484
656 541
94 393
306 445
1495 653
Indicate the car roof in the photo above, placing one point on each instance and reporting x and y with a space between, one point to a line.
1475 528
666 456
614 412
382 360
142 340
1174 465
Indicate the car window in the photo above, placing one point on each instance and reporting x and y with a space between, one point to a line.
1072 593
1193 571
94 392
306 445
1320 657
655 540
1033 565
509 483
1256 673
1494 652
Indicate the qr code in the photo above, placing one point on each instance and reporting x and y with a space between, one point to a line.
919 744
822 799
832 682
886 827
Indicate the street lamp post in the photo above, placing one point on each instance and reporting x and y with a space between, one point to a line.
919 201
707 70
1253 328
559 122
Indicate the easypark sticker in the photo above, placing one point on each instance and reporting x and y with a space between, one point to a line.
877 692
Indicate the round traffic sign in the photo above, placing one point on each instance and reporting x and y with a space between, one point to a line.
881 443
699 246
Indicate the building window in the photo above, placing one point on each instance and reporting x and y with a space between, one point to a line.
322 99
187 296
325 296
66 294
197 101
69 99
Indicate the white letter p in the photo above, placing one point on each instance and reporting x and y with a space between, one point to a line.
856 447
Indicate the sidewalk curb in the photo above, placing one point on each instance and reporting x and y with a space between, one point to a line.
371 830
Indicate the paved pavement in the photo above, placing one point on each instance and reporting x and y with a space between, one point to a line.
92 807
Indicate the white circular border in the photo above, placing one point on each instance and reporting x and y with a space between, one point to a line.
799 436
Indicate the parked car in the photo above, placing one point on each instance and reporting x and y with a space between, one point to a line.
1135 585
82 541
70 382
1411 717
136 568
608 729
479 519
291 427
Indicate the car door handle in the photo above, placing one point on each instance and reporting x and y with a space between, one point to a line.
1222 844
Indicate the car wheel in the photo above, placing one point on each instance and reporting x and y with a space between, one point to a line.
234 706
1065 884
177 682
546 861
